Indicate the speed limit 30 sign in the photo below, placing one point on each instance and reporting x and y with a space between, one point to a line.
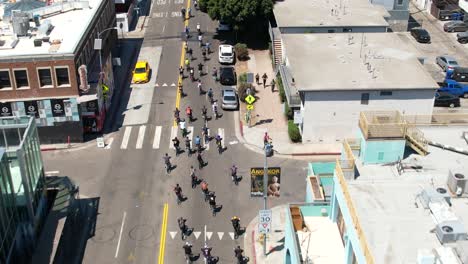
264 224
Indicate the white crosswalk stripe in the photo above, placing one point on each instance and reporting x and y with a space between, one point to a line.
221 134
157 137
126 137
209 235
154 140
173 135
141 137
206 144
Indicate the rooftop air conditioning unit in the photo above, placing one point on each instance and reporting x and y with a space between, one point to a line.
37 42
450 231
444 194
457 183
430 195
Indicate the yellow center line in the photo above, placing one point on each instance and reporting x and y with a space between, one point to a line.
162 240
182 60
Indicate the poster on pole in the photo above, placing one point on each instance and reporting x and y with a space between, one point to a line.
256 182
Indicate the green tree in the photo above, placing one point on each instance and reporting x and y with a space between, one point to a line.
238 13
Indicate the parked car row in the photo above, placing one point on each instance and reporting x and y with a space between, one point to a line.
422 36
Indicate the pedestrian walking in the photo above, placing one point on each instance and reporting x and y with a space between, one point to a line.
208 47
264 77
190 53
200 40
272 85
257 78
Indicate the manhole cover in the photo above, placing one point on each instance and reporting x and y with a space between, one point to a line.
141 232
104 234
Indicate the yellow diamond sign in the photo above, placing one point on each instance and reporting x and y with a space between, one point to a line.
250 107
250 99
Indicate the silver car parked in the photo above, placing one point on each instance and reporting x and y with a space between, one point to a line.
446 62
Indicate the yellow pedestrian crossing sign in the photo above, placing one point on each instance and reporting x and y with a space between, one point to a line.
250 99
250 107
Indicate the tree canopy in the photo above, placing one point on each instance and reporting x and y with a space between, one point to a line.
238 13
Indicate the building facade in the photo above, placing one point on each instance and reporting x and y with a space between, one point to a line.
53 74
22 188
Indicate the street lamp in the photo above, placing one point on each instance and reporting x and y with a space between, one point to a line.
98 46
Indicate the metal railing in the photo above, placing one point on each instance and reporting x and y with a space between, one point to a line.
291 92
360 233
382 124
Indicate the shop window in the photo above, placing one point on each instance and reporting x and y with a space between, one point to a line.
5 80
21 78
63 76
45 77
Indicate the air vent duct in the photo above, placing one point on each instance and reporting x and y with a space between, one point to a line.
457 183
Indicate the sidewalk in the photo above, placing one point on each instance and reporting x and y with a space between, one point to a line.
253 242
268 117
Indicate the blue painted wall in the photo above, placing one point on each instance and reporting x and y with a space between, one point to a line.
381 151
351 237
314 169
289 238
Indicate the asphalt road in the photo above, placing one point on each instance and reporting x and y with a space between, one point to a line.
137 221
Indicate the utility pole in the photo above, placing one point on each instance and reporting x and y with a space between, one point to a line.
265 186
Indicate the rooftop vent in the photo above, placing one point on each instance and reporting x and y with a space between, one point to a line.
457 183
450 231
20 21
45 28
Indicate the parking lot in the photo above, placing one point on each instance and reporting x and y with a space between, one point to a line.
442 43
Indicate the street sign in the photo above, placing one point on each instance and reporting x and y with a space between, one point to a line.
297 117
100 142
264 224
250 107
250 99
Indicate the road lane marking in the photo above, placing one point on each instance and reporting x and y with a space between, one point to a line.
174 131
197 234
220 235
164 84
126 137
162 240
173 234
157 137
206 144
109 143
231 234
120 235
221 134
141 137
164 28
208 235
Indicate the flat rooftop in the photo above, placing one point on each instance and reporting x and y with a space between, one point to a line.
69 22
354 61
394 221
322 243
329 13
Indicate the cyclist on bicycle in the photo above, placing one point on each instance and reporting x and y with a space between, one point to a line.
201 162
176 115
167 160
218 139
187 144
182 226
234 172
176 144
188 249
198 28
238 254
200 69
183 128
188 111
205 133
204 186
235 224
206 251
210 94
178 191
197 142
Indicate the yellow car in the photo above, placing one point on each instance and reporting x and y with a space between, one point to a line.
141 72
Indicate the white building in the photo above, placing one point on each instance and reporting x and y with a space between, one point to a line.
337 76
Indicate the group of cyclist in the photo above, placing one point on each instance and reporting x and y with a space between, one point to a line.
210 259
